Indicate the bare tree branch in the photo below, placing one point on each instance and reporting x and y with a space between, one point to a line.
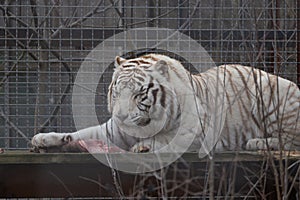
45 45
82 19
7 73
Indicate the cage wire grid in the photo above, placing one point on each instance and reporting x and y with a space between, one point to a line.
43 43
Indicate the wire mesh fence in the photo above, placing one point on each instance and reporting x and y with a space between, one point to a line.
43 44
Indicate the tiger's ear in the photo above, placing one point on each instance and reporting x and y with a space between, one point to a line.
162 67
118 61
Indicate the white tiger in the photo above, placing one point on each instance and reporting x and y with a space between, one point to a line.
152 97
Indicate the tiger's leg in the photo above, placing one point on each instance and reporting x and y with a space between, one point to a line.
58 139
167 143
271 143
99 132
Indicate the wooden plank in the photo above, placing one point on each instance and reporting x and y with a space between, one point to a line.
23 157
29 175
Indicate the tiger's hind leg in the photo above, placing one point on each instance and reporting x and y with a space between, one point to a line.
271 143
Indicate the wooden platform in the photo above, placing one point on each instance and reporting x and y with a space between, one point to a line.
24 174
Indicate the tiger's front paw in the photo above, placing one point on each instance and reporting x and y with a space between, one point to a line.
44 140
141 148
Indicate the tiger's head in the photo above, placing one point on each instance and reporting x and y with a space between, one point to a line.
140 98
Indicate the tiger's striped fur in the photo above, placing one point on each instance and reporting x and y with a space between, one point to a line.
152 97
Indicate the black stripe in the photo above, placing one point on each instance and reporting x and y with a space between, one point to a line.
163 96
144 62
154 93
150 85
135 61
139 78
147 106
146 109
144 98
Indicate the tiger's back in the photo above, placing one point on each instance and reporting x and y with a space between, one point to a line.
258 105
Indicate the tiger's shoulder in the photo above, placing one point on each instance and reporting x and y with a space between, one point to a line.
249 74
